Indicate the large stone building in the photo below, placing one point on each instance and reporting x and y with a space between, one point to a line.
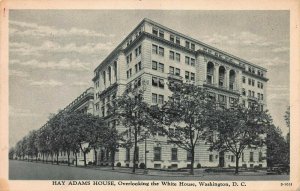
153 54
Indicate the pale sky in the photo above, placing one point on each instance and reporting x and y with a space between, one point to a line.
52 54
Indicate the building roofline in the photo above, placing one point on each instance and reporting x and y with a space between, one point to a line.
202 43
177 33
120 44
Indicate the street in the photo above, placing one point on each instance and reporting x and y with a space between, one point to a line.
22 170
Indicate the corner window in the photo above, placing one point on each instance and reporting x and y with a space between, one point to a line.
161 67
154 81
187 75
192 46
192 76
155 31
171 70
177 57
161 51
172 38
192 62
177 72
160 99
187 60
154 65
157 153
171 56
154 49
178 40
154 98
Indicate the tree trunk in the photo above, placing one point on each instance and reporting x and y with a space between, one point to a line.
95 152
57 158
113 159
134 153
237 164
68 152
75 158
52 158
192 161
84 158
43 158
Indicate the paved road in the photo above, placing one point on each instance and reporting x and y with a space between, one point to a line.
21 170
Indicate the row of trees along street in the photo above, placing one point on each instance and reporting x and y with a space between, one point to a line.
189 116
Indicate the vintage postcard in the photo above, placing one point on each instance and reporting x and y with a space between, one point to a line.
117 95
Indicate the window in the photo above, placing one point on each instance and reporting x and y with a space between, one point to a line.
187 60
171 70
171 56
232 158
172 38
244 91
140 66
177 72
262 96
154 81
192 62
188 155
178 40
129 58
154 98
243 159
157 153
260 157
161 83
192 46
174 154
161 67
127 74
261 85
253 94
221 98
138 51
249 81
137 153
104 77
178 57
161 51
127 154
258 84
258 95
97 106
192 76
253 82
249 93
160 99
187 44
154 49
244 79
103 111
154 65
187 75
161 34
155 31
211 158
136 68
251 157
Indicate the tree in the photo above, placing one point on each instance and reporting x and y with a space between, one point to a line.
237 128
11 154
41 142
277 147
111 141
287 120
32 149
131 110
184 117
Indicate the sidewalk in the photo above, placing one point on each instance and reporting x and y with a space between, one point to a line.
198 172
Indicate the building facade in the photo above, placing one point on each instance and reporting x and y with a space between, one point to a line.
152 55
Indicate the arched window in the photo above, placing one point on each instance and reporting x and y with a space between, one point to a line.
231 79
210 73
109 74
221 76
115 70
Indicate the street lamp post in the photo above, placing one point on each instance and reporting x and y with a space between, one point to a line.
145 170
